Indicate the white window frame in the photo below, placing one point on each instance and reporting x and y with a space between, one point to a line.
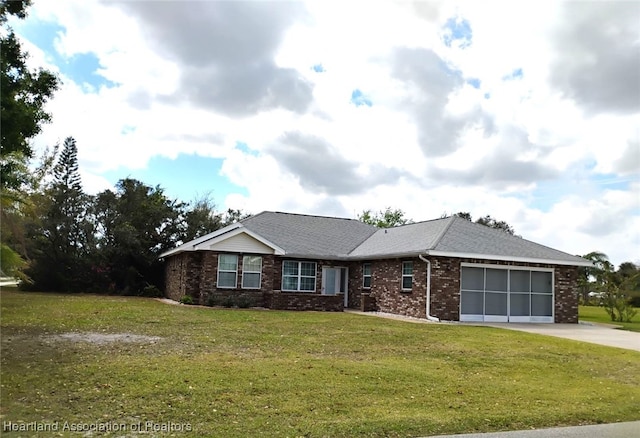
235 283
245 271
365 276
299 276
403 276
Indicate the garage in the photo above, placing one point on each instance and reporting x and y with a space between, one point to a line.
493 293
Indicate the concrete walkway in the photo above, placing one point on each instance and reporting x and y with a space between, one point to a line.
8 281
614 430
602 334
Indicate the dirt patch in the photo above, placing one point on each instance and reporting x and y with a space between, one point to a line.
104 338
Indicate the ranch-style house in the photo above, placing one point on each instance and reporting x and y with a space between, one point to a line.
444 269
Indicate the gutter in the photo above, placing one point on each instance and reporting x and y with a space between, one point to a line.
428 308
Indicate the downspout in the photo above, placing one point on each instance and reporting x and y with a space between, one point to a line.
428 309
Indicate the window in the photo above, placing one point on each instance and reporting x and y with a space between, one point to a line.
298 276
251 272
407 275
366 275
227 270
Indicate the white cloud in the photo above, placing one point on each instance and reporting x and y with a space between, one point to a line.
450 146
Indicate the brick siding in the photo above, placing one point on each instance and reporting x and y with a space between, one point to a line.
195 274
182 276
304 301
386 287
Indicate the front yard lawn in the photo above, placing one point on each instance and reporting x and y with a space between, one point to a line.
598 314
237 373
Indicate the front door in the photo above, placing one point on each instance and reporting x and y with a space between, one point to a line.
334 281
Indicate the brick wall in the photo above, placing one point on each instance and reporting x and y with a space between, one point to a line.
182 276
368 303
445 288
304 301
356 291
195 274
173 275
386 288
566 294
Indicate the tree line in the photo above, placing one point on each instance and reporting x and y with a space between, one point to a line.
617 290
107 243
393 217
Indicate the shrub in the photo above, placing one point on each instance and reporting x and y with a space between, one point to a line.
618 306
186 299
211 300
634 299
244 302
151 291
228 302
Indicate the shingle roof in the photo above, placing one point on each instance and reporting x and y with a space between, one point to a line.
310 236
466 237
404 240
324 237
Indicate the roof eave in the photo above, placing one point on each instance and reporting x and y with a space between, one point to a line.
394 255
463 255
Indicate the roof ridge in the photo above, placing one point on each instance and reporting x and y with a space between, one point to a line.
252 216
437 240
374 230
315 215
408 224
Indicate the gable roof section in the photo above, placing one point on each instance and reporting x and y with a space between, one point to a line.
401 241
224 234
310 236
464 238
457 237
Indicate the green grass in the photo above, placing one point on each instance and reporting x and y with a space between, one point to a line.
268 373
598 314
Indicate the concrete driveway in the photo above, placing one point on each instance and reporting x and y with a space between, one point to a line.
615 430
601 334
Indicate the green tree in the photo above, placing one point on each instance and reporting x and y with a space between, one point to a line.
617 299
24 94
496 224
594 278
487 221
628 274
136 223
464 215
201 218
231 216
386 218
64 242
22 211
629 270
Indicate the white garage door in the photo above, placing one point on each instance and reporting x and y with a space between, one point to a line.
506 294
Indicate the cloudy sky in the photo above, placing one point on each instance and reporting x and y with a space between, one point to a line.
528 111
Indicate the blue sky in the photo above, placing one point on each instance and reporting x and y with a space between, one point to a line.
82 68
187 177
332 109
